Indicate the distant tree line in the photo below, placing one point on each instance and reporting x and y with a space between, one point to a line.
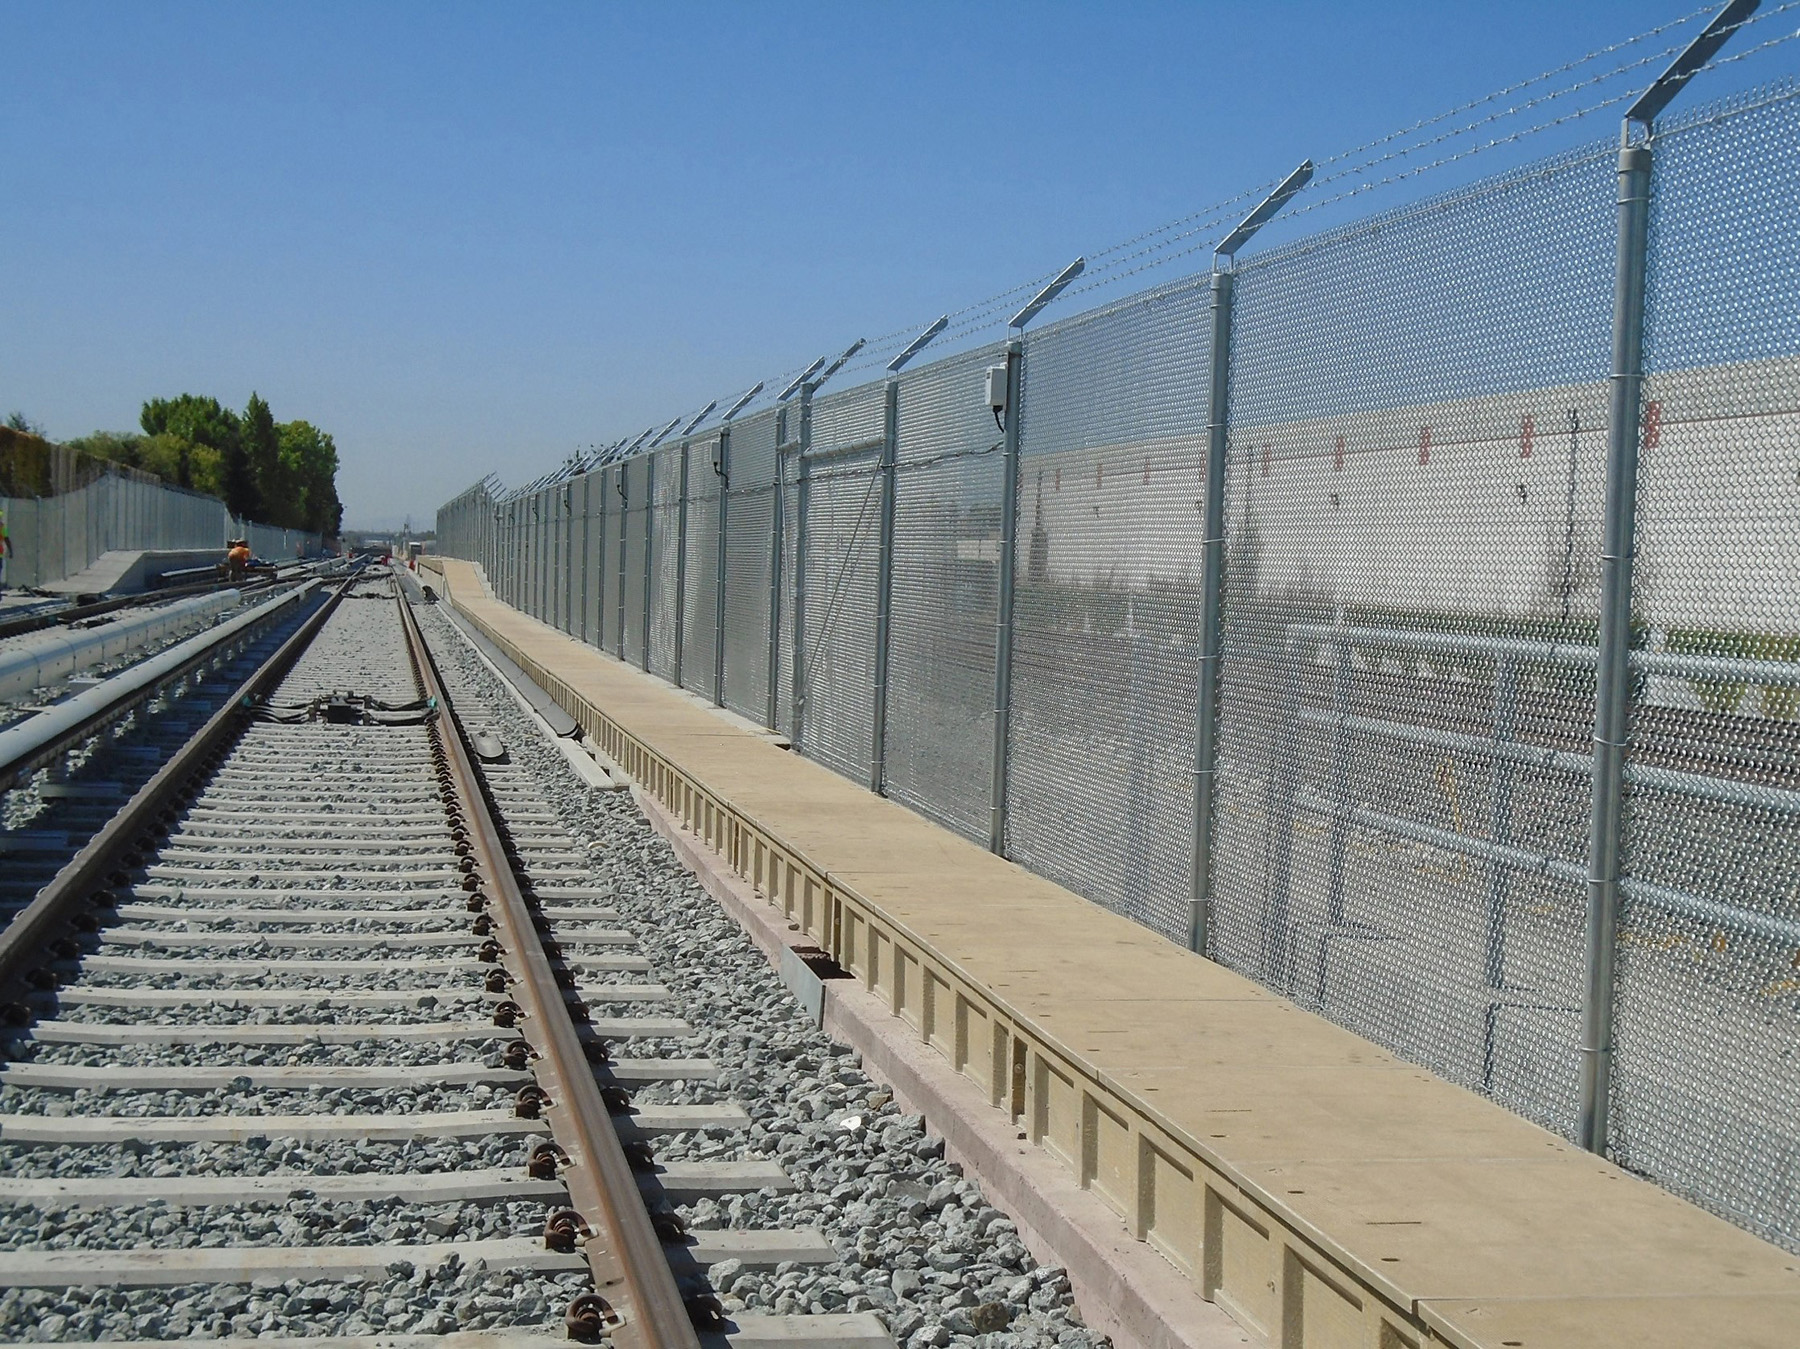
279 473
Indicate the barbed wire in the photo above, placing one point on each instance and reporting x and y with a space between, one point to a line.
1541 100
1198 230
1511 89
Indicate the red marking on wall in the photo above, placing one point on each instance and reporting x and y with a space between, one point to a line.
1527 433
1425 446
1146 472
1058 486
1337 460
1652 424
1099 474
1268 452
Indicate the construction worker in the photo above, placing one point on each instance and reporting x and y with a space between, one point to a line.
237 560
5 549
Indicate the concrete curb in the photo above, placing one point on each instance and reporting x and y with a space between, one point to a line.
1124 1288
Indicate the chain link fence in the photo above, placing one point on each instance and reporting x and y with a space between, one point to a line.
1416 449
57 537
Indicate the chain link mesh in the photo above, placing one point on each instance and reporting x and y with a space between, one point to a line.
559 556
1417 444
535 577
589 557
749 544
611 523
788 433
843 515
700 605
1706 1083
945 594
1107 610
1414 504
665 556
633 534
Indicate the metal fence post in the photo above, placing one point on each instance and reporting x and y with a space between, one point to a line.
587 482
1612 682
600 566
563 515
1212 611
570 586
884 584
1212 576
624 488
1612 687
681 518
1506 725
649 555
721 467
1003 644
771 711
802 491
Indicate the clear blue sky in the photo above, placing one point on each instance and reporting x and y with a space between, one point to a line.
469 237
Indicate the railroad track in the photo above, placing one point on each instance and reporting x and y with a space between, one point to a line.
78 751
328 1031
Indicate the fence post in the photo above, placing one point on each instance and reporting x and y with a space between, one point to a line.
1612 687
1506 725
1212 575
1009 534
884 584
649 556
802 491
681 522
1212 610
600 564
771 710
624 481
722 467
569 589
587 526
1612 682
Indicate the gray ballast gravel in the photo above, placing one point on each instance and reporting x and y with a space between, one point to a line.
916 1242
361 648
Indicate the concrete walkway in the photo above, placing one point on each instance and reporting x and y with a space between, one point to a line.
1320 1190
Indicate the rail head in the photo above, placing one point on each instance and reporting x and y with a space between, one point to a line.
29 744
625 1255
57 911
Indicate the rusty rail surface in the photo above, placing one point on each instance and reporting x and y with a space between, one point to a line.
57 913
639 1305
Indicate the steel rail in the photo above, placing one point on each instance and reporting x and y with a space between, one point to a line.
645 1309
55 914
71 614
28 744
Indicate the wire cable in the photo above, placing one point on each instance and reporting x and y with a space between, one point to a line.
1196 232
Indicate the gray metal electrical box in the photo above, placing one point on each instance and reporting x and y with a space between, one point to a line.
996 387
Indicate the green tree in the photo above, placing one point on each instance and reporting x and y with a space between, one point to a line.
274 493
309 461
119 447
279 473
202 441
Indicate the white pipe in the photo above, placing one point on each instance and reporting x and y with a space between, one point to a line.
23 742
43 658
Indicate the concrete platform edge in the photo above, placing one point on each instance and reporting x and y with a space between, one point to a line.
1124 1288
